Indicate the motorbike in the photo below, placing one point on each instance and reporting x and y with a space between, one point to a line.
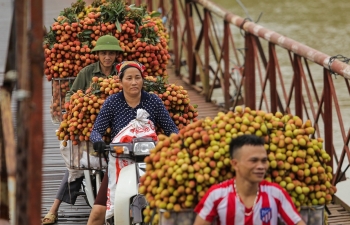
92 177
90 185
128 203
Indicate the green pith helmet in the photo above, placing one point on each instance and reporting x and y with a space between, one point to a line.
107 43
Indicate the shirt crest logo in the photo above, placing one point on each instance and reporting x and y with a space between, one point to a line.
265 214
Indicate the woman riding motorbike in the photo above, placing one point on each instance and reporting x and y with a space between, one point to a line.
117 111
107 48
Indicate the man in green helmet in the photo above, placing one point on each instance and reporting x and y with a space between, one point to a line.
107 48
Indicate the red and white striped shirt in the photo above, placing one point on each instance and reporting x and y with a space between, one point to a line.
222 202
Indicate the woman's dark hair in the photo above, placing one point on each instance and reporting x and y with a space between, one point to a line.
121 73
240 141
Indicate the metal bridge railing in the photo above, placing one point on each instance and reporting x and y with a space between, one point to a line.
203 42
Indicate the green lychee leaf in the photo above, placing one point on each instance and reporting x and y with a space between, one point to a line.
155 14
117 25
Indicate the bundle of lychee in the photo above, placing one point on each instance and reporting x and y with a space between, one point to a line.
59 90
83 107
183 166
175 99
73 35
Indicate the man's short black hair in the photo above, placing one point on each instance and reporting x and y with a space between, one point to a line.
240 141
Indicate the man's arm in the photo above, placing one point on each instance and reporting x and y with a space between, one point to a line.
200 221
79 83
301 222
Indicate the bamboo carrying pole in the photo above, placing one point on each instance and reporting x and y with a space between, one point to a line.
4 199
7 141
8 144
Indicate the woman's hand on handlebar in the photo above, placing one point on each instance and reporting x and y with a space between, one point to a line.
99 146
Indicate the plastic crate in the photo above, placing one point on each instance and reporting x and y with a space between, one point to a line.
83 157
184 217
312 215
59 86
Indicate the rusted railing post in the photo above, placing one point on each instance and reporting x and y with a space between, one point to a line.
162 7
226 65
339 175
23 88
190 43
298 90
272 78
149 5
30 120
206 51
249 71
328 123
176 25
36 117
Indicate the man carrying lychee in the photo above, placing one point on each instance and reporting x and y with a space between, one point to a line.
107 49
247 199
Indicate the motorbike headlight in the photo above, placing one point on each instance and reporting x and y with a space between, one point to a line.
143 148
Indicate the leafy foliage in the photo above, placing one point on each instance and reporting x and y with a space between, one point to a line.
157 86
112 12
71 13
50 38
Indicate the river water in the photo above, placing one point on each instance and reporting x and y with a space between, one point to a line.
320 24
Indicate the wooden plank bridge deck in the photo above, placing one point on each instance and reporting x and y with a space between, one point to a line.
338 216
53 171
53 165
